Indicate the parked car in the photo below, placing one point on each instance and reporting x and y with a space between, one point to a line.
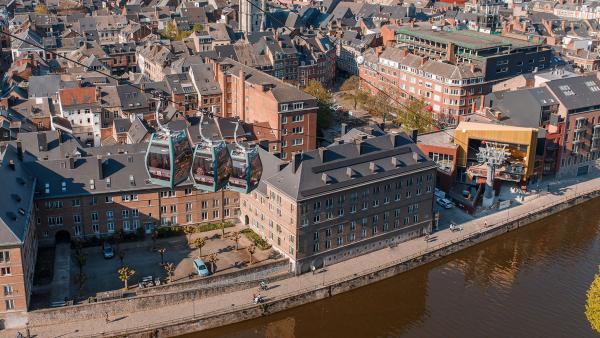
439 193
201 268
107 251
445 203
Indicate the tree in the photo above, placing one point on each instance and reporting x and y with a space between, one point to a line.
80 280
121 255
125 273
80 260
324 99
222 227
170 270
414 114
162 251
199 243
251 250
212 259
352 85
197 27
188 230
592 306
154 238
170 31
236 237
41 9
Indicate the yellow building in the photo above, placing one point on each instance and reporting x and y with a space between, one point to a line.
519 142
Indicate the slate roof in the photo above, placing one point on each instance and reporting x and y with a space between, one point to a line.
44 85
283 92
332 164
16 202
577 93
522 108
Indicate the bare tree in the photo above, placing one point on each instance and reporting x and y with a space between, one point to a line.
170 270
236 237
199 243
251 250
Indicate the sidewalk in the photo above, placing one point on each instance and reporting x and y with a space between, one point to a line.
558 193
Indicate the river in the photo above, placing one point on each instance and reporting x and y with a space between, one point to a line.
531 282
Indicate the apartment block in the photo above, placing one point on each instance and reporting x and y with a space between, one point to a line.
281 113
360 194
18 240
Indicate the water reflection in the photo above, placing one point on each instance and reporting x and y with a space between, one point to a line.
529 283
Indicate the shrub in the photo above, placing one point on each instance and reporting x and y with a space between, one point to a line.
169 231
213 226
256 239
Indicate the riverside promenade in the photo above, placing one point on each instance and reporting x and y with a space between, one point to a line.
237 306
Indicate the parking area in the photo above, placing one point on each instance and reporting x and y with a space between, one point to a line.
453 215
145 259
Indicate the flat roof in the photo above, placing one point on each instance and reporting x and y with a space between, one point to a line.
463 38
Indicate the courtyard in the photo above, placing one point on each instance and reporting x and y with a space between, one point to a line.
145 259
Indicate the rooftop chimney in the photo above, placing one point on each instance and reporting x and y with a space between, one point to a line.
325 178
349 172
416 156
322 153
11 164
42 142
71 163
296 160
344 128
414 134
20 150
450 57
372 167
100 173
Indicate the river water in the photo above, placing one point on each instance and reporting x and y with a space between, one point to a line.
528 283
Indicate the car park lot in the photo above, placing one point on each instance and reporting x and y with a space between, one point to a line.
453 215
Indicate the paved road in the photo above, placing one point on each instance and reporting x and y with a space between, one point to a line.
334 272
62 272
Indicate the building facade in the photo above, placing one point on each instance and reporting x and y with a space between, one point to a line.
327 205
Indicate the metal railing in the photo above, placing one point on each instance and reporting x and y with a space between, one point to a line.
476 233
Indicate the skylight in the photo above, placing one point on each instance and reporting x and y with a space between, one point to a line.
566 90
592 86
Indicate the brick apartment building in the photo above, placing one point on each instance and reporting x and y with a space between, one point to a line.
450 89
94 192
18 240
282 113
360 194
579 112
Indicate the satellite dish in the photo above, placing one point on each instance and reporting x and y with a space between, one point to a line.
360 59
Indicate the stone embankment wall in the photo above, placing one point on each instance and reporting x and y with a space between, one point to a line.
165 295
319 292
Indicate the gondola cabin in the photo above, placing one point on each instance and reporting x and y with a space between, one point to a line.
169 158
211 166
247 169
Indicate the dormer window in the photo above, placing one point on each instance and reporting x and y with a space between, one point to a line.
47 188
63 186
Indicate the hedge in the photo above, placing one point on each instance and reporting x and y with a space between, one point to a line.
256 239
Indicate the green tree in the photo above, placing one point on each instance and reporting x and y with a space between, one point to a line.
324 99
351 87
188 230
414 114
199 243
125 273
379 105
41 9
592 306
170 31
212 259
251 250
170 270
197 27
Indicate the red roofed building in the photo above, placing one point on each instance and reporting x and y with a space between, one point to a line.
81 107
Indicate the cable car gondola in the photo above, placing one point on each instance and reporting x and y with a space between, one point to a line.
247 167
211 166
169 155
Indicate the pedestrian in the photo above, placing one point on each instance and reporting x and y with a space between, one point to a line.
106 316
